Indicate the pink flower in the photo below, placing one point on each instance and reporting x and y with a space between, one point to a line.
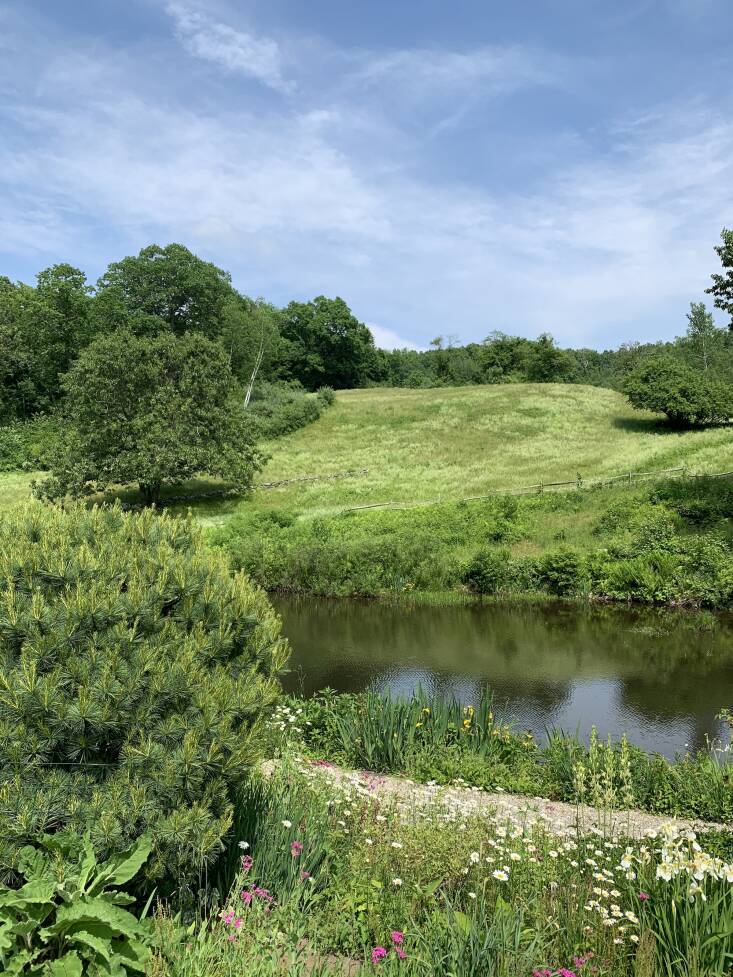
643 896
247 863
400 953
378 953
246 897
398 938
304 876
296 848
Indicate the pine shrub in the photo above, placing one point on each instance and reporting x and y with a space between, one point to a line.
135 674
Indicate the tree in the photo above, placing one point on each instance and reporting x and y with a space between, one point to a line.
688 398
324 344
546 363
701 333
36 347
167 288
722 287
65 288
135 674
152 410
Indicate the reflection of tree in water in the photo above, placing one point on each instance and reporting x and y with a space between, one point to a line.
696 699
669 671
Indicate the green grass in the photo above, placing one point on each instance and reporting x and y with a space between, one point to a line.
461 441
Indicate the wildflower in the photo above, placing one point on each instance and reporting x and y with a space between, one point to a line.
244 845
397 937
304 876
397 882
287 824
400 952
378 953
643 896
500 875
396 844
475 857
247 863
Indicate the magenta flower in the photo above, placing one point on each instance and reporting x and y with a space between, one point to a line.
397 937
296 848
400 953
247 863
246 897
378 953
643 896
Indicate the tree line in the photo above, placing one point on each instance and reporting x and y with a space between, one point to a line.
151 371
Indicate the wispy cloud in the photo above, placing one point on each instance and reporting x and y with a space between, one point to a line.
234 50
290 201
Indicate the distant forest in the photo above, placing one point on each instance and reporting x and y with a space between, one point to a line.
45 326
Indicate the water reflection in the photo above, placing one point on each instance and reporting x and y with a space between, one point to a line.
657 675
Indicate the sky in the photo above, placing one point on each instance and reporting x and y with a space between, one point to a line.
448 168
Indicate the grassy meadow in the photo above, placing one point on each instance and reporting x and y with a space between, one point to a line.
444 445
461 441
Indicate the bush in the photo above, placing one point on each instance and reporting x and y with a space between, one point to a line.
134 674
487 572
27 445
562 572
686 396
279 408
327 395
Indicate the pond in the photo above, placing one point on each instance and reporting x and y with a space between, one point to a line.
660 676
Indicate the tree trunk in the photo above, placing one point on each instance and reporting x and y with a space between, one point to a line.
150 492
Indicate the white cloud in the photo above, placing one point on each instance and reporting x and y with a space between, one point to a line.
389 339
234 50
286 201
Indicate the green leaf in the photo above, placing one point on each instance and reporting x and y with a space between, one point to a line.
134 954
101 947
463 921
67 966
126 866
95 910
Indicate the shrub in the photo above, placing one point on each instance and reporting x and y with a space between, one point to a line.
134 673
27 445
685 395
562 572
327 395
487 572
279 408
67 914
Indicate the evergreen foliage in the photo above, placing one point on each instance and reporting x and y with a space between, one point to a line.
134 674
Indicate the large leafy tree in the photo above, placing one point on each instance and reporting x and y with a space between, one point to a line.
36 346
153 411
687 396
135 674
323 343
165 288
722 287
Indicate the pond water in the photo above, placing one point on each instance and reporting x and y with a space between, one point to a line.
659 676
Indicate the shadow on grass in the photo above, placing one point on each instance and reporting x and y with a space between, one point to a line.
645 425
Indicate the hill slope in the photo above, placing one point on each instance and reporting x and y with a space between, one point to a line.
456 442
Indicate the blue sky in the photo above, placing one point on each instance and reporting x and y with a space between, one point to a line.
447 167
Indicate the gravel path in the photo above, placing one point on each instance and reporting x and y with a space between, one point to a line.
557 816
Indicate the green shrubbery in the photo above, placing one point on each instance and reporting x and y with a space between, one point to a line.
644 547
27 445
279 408
134 674
65 915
